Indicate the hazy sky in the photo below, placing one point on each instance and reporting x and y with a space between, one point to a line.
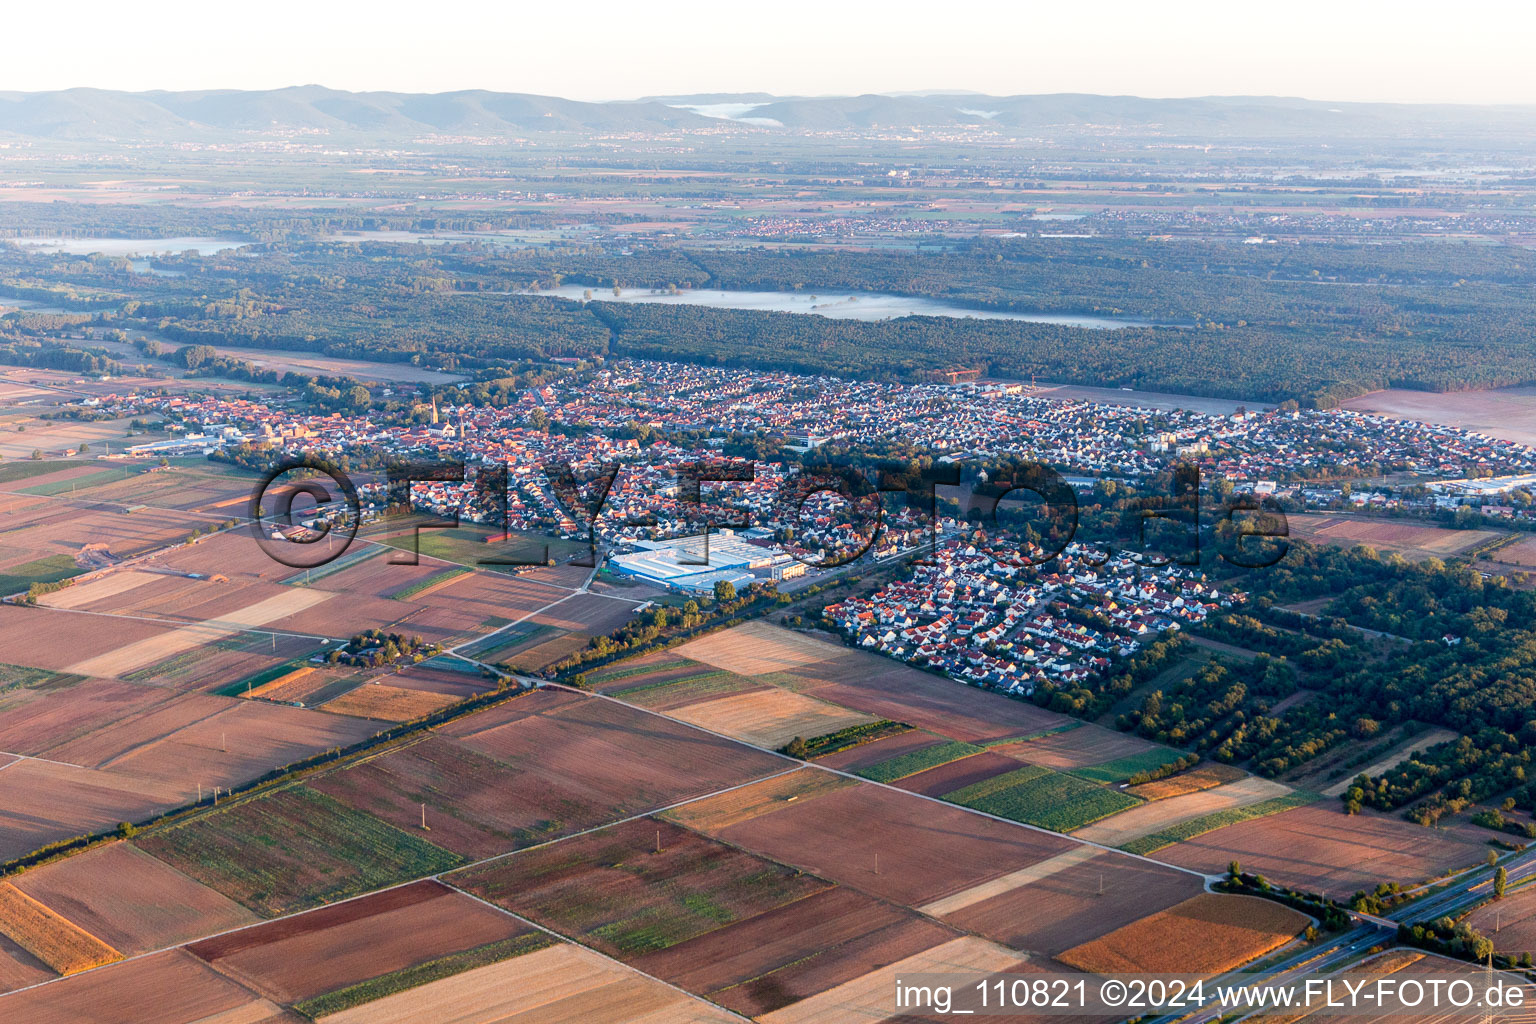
1471 51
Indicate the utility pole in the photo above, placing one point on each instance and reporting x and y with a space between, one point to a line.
658 840
424 818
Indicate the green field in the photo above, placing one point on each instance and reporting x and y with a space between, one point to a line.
13 471
912 762
715 683
14 677
1219 819
293 849
51 569
1039 796
101 476
1123 768
422 974
406 593
467 545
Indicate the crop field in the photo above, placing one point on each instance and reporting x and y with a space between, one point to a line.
20 969
1409 539
1207 775
42 802
1206 934
757 648
624 760
536 657
967 771
713 813
388 703
130 900
561 984
892 845
332 948
922 759
637 887
1322 849
293 849
1163 814
1122 768
1191 827
865 755
769 717
173 987
852 999
1039 796
15 579
1079 747
1066 901
796 951
83 595
1510 922
64 946
680 692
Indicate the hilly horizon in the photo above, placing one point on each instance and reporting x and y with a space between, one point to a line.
88 114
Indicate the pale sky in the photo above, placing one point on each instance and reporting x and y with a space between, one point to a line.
1474 51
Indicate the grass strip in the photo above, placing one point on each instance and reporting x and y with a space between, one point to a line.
914 761
1218 819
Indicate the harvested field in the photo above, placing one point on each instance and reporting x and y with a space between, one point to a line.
130 900
1078 748
881 687
1205 776
914 761
1393 758
562 984
1206 934
869 997
82 595
925 850
167 988
64 946
797 951
541 655
1154 817
323 950
1041 797
293 849
856 759
148 651
1322 849
617 892
42 802
667 694
1409 539
1189 828
768 718
714 813
388 703
53 639
757 648
1067 900
1510 922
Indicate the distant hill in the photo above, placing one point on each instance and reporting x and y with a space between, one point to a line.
95 114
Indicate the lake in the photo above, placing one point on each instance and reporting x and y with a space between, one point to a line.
129 246
838 305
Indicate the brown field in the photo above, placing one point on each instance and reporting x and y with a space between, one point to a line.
388 703
538 656
62 528
1409 539
83 595
564 765
637 887
157 648
878 686
757 648
925 850
1206 934
46 638
19 969
1510 922
130 900
1149 818
1077 748
1067 900
1321 849
797 951
1507 413
868 997
41 802
563 984
866 754
166 988
64 946
768 718
1204 776
947 778
1521 553
331 948
714 813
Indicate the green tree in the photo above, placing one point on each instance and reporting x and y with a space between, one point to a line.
725 590
1500 882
